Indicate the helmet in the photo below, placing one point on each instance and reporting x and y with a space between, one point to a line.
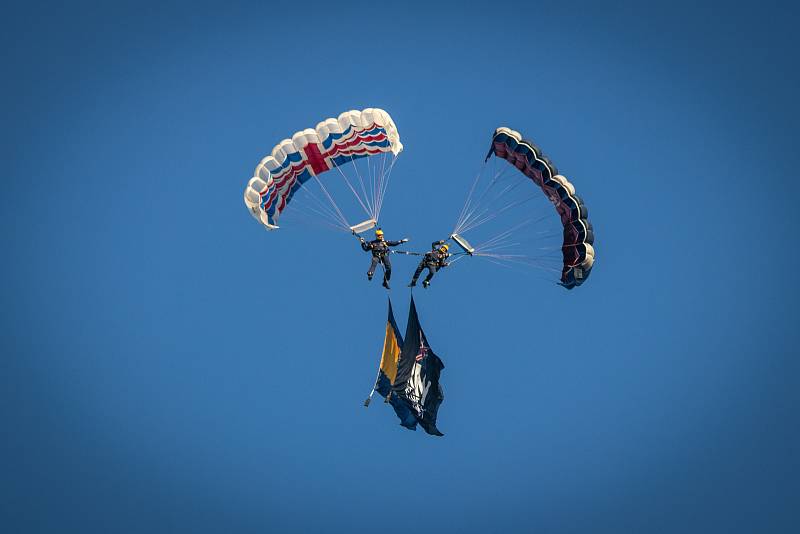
445 247
379 233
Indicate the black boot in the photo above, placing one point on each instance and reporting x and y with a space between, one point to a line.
413 283
386 284
425 284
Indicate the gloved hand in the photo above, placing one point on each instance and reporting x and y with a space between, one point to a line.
404 240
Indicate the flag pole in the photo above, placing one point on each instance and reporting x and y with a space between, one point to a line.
369 399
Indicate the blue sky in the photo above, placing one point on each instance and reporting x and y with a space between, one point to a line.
168 365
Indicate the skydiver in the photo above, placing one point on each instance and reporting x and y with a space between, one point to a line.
380 254
433 261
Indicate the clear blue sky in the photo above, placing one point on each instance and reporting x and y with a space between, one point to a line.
169 366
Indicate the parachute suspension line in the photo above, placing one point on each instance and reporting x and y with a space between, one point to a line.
495 178
381 173
471 211
478 222
373 172
470 221
469 216
305 211
495 214
367 181
354 191
552 256
549 235
386 175
502 235
458 257
328 212
496 247
466 225
469 198
499 238
363 188
376 180
504 265
321 219
354 160
468 206
544 273
372 187
383 182
499 247
466 210
521 260
333 203
509 264
385 186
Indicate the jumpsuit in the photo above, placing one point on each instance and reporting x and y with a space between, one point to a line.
433 261
380 254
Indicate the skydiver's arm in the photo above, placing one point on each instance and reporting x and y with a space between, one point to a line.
364 245
395 243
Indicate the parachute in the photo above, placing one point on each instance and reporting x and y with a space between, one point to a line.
295 164
575 233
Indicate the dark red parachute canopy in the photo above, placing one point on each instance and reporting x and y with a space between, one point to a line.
577 247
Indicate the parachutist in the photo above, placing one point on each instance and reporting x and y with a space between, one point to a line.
433 261
380 254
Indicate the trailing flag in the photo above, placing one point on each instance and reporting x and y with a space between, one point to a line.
392 342
416 393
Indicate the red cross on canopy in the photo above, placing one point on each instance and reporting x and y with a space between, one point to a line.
315 159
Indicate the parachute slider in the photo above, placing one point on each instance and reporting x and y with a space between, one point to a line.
364 226
463 243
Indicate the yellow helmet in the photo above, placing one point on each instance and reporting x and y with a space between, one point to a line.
379 233
445 247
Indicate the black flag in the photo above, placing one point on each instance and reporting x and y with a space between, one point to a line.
416 388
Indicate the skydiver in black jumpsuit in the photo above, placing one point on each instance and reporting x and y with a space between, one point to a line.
380 254
433 261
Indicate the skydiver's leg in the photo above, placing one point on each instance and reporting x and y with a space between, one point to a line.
417 273
387 265
387 271
372 266
431 272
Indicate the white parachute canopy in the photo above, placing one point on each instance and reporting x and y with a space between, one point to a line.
360 147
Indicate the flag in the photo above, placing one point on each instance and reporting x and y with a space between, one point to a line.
416 393
387 371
